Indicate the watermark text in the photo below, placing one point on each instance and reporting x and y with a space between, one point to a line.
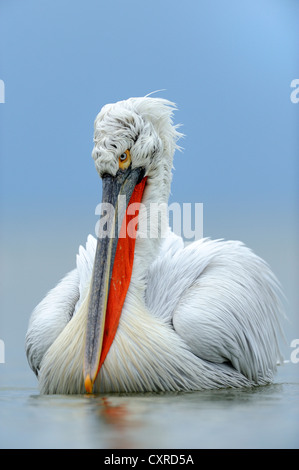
295 93
149 221
2 92
2 352
295 353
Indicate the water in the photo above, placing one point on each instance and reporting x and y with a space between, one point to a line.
263 417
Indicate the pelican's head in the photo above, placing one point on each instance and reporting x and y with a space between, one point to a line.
142 126
134 143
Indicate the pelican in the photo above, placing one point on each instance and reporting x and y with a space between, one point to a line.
143 311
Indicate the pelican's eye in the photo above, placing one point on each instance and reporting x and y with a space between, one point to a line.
124 160
123 157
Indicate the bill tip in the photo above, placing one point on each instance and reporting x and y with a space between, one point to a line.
88 384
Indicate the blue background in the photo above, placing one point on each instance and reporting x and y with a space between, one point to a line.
227 65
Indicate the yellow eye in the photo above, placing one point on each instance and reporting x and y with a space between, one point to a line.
124 160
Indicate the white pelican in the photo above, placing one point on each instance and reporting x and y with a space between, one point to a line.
147 313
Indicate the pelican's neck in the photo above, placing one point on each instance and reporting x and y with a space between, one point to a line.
153 227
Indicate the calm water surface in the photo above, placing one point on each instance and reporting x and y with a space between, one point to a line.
265 417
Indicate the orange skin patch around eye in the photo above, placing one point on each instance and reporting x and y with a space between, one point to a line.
124 164
121 275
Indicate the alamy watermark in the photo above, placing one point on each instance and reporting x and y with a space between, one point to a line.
149 221
2 352
295 93
294 358
2 92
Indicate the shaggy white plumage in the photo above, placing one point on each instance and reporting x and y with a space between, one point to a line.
197 317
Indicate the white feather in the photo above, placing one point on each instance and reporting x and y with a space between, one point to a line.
50 317
201 316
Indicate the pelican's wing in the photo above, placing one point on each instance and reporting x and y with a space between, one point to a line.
53 313
85 261
223 300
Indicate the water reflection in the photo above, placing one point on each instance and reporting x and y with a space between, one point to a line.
210 419
119 422
116 416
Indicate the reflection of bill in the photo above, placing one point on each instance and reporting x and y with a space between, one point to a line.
150 221
2 352
116 415
295 93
